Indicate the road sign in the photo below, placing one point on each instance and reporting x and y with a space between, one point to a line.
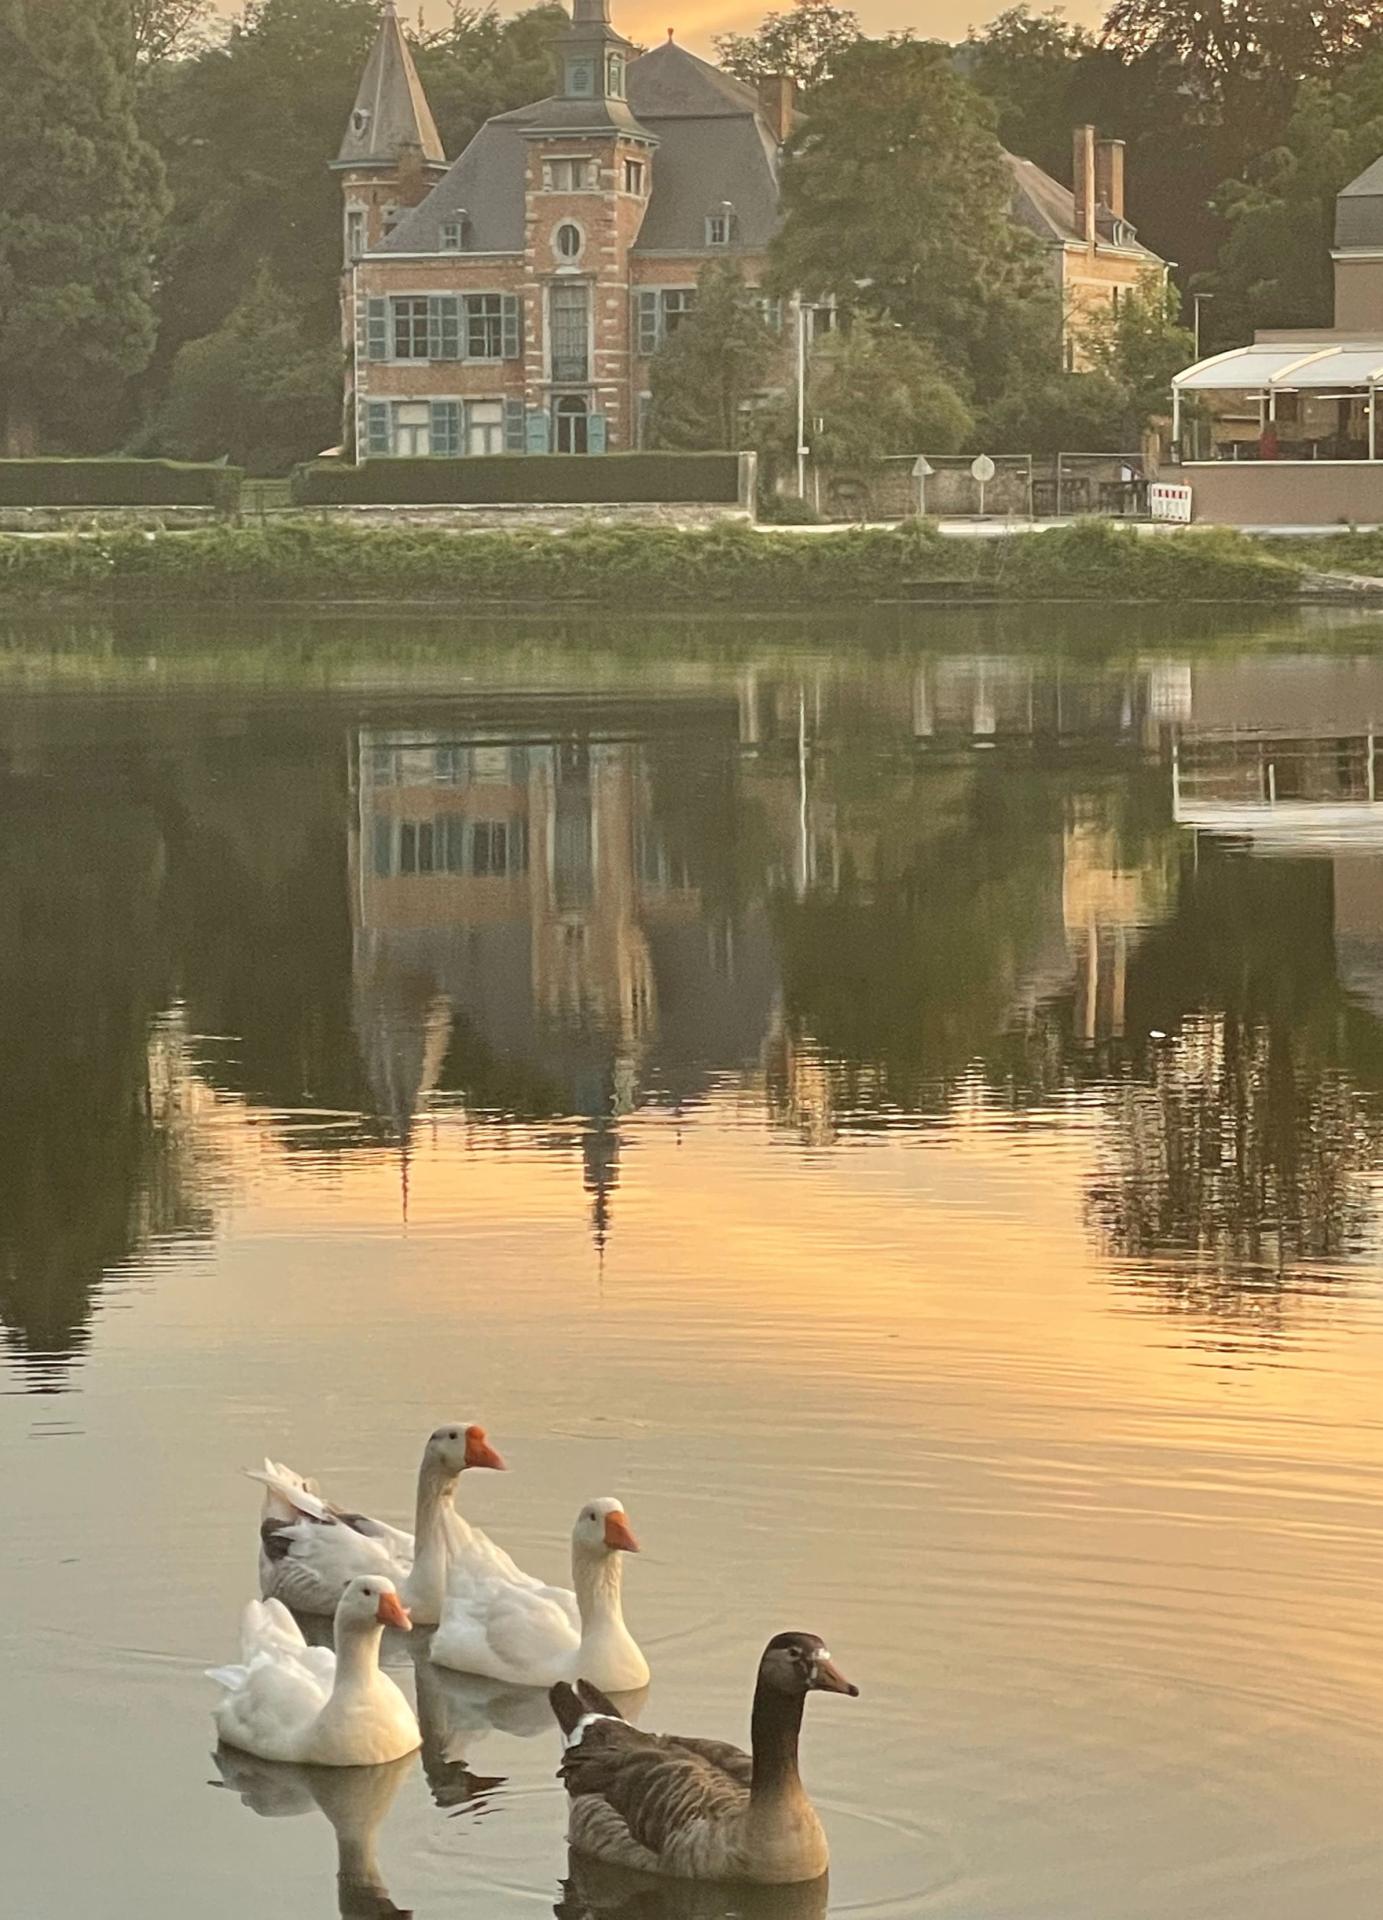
922 469
982 468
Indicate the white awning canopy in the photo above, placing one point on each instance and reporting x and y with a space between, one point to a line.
1288 365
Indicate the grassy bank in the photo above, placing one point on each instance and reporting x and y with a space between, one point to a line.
729 566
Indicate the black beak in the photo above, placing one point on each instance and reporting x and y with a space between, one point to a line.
828 1678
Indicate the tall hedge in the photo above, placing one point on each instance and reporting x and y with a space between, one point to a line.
524 479
118 483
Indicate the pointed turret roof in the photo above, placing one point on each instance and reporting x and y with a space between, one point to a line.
391 110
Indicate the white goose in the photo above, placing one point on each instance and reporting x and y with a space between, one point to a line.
511 1628
309 1549
290 1701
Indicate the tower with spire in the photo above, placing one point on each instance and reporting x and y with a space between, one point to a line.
391 154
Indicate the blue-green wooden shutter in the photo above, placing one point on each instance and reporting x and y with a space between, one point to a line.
647 314
513 338
376 329
376 427
443 326
595 433
515 437
446 428
537 432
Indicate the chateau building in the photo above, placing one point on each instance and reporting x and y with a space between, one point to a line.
512 300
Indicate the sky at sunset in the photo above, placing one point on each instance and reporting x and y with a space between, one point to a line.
697 22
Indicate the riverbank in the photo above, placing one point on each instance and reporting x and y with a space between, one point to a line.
728 566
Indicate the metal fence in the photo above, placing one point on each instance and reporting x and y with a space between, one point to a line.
1024 486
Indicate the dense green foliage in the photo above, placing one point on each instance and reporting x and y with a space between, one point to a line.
730 565
535 478
877 391
81 198
802 44
253 390
117 483
705 373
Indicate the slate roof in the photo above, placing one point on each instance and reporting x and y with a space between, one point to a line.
1048 209
712 142
391 110
1359 210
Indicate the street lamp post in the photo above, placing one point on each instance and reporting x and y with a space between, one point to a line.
1196 299
801 397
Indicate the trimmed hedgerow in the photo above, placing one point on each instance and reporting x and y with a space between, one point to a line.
118 483
532 479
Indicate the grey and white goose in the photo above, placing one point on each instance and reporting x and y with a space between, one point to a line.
701 1809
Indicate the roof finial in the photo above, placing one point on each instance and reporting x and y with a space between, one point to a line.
670 32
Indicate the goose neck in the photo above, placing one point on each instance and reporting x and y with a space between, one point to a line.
357 1655
435 1489
775 1725
597 1578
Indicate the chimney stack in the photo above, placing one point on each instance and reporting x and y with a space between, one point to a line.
1109 175
777 100
1083 181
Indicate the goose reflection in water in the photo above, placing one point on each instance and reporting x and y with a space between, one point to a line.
593 1890
457 1710
355 1801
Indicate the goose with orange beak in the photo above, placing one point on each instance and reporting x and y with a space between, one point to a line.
514 1630
289 1701
309 1549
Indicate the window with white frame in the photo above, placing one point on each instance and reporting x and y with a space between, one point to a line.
484 326
569 176
409 316
720 226
454 238
633 176
659 311
677 303
770 312
569 312
413 428
485 426
355 233
568 241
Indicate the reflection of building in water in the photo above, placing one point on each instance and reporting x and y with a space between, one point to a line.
1007 697
524 932
1107 906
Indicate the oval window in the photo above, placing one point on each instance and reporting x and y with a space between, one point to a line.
568 240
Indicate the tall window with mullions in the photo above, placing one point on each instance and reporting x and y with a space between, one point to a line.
570 313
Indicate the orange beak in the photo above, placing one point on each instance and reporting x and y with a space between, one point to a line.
479 1452
391 1612
618 1534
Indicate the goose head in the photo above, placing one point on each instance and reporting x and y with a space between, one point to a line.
798 1663
371 1601
453 1448
602 1527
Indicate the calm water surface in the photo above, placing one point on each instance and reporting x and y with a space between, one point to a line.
900 1107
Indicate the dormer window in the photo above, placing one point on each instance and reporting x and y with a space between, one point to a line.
721 226
581 77
360 120
614 75
456 233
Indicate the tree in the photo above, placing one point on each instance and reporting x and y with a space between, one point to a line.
1139 345
707 372
1061 413
1029 65
1227 46
1274 269
896 198
479 65
81 200
803 44
876 391
166 29
255 390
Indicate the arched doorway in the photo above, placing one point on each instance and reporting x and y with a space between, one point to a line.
571 414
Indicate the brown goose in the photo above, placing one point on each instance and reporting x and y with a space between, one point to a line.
700 1809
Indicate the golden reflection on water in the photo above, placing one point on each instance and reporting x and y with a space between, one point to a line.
853 1116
